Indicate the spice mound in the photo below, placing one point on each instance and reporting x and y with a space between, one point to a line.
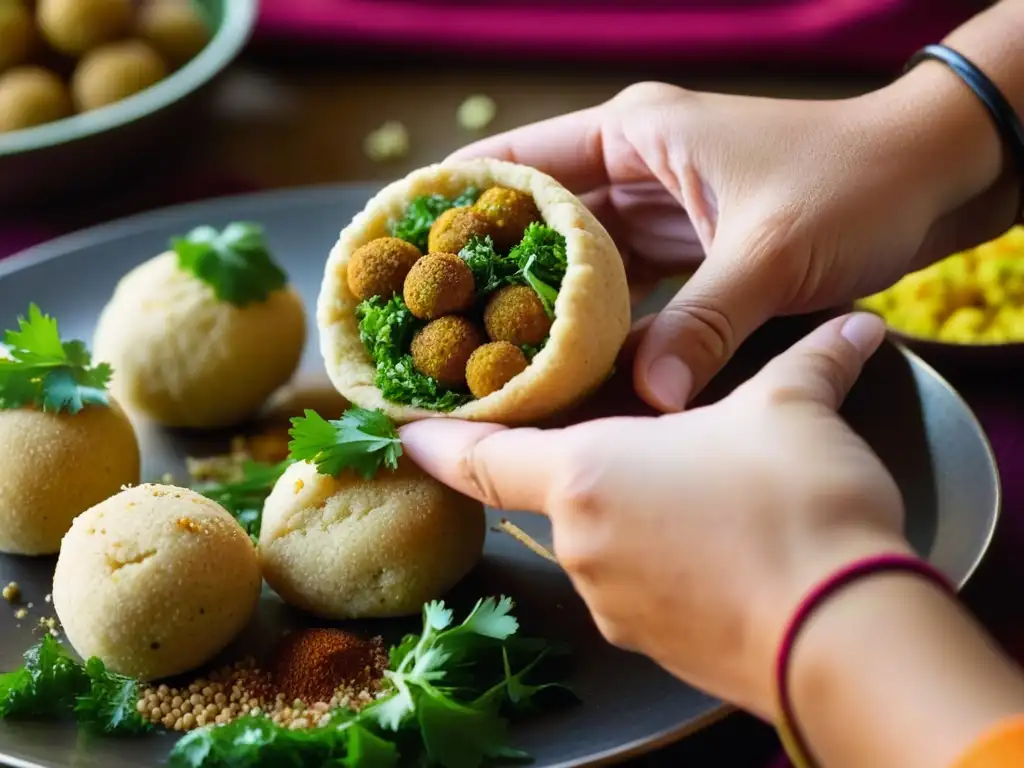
315 664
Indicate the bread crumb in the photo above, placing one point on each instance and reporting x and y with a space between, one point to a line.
299 485
389 142
21 613
188 524
12 592
49 598
476 112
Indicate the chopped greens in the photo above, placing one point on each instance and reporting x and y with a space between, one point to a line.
386 329
235 263
51 683
490 271
452 687
41 370
542 262
361 440
414 226
244 498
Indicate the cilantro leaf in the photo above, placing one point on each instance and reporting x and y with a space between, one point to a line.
458 735
244 498
361 440
236 263
40 370
543 251
422 212
490 271
109 705
47 684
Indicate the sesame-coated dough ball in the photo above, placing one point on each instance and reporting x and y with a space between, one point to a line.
515 314
31 96
114 72
380 267
347 547
174 28
54 466
17 33
455 228
439 284
75 27
155 581
442 348
492 366
182 358
509 212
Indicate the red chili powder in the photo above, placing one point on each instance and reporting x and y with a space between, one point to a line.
311 664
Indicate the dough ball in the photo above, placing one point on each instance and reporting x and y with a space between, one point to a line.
17 34
155 581
353 548
184 359
31 96
175 29
54 466
76 26
114 72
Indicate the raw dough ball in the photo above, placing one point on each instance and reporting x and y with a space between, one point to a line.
54 466
175 29
115 71
76 26
155 581
31 96
353 548
185 359
16 33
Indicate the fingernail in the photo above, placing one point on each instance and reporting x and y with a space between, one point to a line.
670 380
865 331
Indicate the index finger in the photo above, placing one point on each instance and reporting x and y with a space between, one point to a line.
569 148
511 469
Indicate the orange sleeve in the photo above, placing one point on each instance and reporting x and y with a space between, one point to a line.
1002 746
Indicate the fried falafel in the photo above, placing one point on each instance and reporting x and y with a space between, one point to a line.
492 366
443 347
509 213
439 284
454 228
516 314
380 267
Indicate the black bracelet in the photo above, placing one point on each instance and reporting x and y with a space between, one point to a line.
999 108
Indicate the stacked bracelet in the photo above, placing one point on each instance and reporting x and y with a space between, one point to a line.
1006 120
790 735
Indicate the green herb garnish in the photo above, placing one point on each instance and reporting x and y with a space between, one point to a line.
386 328
414 226
235 263
51 683
490 271
361 440
244 497
542 262
530 351
43 371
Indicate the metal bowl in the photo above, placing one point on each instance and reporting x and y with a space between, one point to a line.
86 150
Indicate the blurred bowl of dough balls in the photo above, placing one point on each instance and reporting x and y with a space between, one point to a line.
965 310
90 89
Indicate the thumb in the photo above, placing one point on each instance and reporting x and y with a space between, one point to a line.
733 293
504 468
824 365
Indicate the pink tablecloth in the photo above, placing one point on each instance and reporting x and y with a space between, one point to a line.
740 741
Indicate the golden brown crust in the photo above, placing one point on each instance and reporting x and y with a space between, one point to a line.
592 311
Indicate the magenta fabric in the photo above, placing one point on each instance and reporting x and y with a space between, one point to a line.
875 35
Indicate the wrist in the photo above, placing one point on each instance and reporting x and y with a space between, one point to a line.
892 671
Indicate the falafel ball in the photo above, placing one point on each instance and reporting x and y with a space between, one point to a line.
439 284
379 268
175 29
442 349
17 33
114 72
509 213
75 27
454 228
492 366
516 314
31 96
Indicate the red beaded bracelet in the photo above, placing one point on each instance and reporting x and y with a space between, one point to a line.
789 734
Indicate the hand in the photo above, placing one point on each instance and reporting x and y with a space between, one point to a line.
798 205
692 537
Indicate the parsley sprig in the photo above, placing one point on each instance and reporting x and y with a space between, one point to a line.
236 263
43 371
361 440
51 683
